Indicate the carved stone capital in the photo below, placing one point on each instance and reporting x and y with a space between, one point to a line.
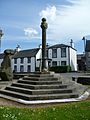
44 24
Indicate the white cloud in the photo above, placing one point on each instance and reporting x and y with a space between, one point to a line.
68 21
30 32
49 13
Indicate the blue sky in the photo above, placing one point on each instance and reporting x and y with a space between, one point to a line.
67 19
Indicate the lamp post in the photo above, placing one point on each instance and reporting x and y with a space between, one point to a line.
1 34
84 43
44 27
85 65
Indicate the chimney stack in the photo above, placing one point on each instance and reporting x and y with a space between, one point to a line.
72 43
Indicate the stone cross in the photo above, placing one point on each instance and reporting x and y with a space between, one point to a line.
44 27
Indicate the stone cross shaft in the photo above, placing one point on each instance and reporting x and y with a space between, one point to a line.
44 27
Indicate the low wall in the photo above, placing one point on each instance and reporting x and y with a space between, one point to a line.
85 80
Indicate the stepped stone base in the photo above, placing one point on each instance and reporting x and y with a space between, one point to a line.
40 86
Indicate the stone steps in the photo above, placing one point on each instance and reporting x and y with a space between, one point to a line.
39 82
39 91
37 97
38 74
41 75
35 87
39 78
14 94
39 87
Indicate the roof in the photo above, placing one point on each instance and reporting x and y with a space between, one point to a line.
87 48
60 46
26 53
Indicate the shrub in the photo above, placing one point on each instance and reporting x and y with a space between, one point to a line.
37 69
83 80
60 69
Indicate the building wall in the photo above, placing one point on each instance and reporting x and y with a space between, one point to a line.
87 55
73 59
24 64
38 56
81 62
59 58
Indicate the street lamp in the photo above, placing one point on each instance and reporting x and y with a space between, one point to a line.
1 34
84 43
85 65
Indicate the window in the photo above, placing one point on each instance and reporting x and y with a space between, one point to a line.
63 52
63 62
22 60
15 60
29 59
15 68
54 53
29 68
54 63
21 68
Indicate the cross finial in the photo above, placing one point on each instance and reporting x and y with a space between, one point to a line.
44 24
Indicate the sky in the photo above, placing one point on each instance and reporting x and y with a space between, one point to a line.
67 19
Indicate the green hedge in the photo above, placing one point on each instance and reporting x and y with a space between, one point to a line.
37 69
60 69
83 80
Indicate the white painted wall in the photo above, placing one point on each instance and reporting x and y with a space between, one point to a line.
33 60
38 56
25 64
59 58
73 59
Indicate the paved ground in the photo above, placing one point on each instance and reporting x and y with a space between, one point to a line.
5 102
70 75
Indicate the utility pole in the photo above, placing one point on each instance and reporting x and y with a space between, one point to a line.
1 34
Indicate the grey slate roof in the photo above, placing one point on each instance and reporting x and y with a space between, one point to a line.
26 53
87 48
59 46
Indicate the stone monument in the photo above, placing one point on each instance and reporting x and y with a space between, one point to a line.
6 73
44 58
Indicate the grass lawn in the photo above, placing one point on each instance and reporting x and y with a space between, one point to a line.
70 111
88 86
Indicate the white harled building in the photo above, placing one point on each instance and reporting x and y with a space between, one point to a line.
29 60
61 54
